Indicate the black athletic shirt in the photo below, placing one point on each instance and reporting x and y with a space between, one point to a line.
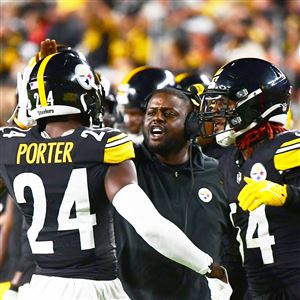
197 204
59 186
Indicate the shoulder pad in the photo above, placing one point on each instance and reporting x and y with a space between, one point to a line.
117 145
287 156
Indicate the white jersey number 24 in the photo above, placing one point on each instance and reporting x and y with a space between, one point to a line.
75 193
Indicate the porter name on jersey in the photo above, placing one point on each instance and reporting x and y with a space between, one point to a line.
45 153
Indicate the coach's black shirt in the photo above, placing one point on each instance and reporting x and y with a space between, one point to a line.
196 204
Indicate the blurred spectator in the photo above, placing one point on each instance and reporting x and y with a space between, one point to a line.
35 20
236 41
101 29
177 54
117 36
10 40
133 41
7 101
67 27
292 55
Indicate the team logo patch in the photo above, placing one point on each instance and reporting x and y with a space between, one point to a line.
205 195
85 76
258 172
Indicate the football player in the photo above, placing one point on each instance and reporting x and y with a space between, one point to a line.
185 79
247 102
20 272
66 174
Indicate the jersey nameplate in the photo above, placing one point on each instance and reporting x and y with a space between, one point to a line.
45 153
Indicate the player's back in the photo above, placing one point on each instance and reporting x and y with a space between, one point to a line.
59 185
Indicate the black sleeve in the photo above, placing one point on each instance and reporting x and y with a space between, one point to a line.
293 197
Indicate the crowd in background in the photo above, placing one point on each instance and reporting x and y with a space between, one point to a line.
118 35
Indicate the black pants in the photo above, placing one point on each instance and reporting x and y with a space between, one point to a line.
290 292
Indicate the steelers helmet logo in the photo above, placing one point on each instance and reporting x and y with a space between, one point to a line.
205 195
85 76
258 172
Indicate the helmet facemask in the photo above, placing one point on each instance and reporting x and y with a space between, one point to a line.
219 118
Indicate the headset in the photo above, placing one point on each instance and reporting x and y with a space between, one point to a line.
192 124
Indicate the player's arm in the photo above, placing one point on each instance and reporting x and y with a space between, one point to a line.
135 206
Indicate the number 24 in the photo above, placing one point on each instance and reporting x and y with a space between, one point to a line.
76 192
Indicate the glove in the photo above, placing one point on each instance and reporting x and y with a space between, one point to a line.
256 193
10 295
22 119
219 290
20 114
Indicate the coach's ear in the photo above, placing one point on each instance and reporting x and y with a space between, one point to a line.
47 47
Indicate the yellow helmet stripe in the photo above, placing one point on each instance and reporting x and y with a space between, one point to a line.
133 72
40 80
181 76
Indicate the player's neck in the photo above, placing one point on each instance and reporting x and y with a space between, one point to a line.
58 129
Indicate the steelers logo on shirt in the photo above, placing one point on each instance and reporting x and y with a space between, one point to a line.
205 195
85 76
258 172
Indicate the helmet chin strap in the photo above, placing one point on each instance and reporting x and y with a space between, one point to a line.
228 136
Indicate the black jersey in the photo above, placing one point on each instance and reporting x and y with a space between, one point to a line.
196 204
215 150
59 186
13 245
269 236
230 257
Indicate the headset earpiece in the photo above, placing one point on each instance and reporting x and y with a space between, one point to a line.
193 124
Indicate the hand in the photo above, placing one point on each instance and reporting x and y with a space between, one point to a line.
47 47
218 283
256 193
20 115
